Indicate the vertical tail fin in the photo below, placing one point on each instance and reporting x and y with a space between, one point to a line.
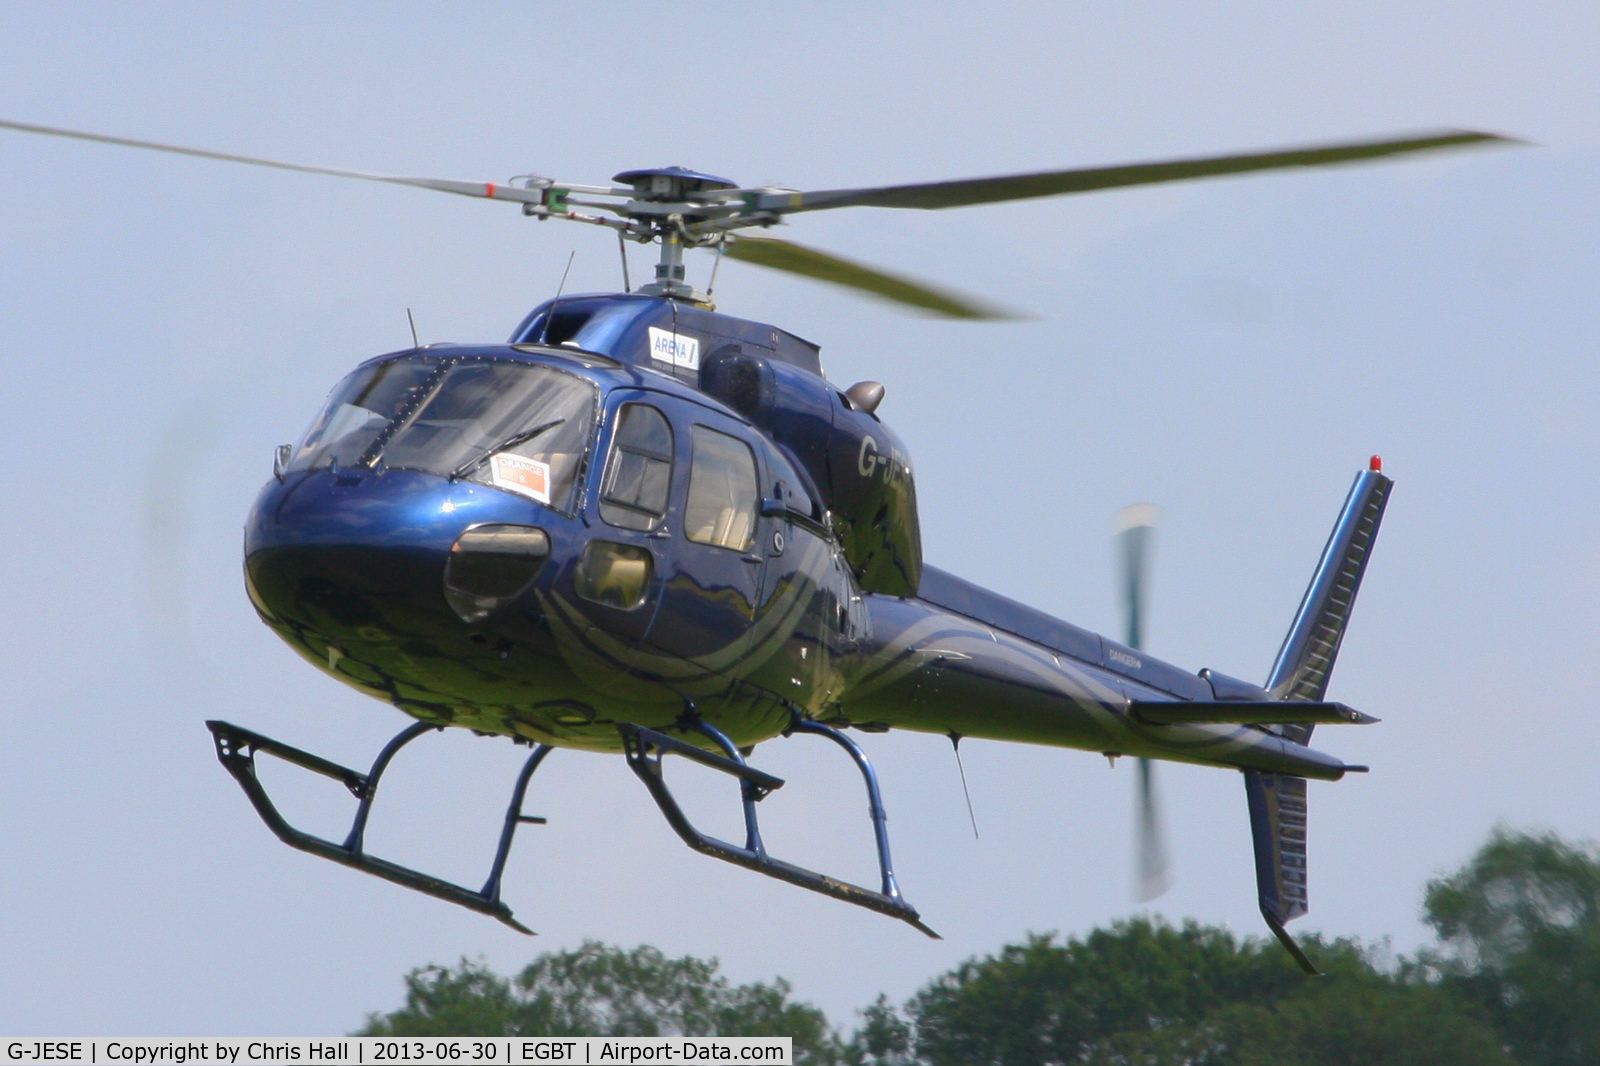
1278 801
1309 650
1278 828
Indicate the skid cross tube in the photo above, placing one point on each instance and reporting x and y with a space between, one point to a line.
645 750
237 748
880 818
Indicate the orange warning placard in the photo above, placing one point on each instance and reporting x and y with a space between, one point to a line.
519 474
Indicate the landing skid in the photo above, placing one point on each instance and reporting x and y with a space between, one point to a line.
646 748
237 749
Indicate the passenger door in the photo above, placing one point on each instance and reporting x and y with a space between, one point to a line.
711 569
617 580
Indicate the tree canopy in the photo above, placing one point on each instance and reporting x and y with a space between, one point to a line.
1519 932
1144 993
599 990
1513 979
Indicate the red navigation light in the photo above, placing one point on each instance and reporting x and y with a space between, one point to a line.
1376 465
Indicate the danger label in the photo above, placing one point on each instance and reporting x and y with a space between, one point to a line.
519 474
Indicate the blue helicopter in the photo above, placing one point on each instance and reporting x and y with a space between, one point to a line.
643 527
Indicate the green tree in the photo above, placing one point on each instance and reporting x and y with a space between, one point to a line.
883 1038
1515 979
1338 1022
1146 994
599 990
470 1000
1519 928
1044 1002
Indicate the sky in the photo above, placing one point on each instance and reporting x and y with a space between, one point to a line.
1231 351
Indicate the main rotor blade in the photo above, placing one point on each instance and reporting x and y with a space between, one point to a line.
481 189
808 262
940 194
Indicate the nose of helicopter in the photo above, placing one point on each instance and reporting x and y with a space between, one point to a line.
388 557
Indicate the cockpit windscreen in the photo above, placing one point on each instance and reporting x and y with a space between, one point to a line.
500 422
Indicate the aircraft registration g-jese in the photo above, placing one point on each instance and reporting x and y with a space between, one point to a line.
640 526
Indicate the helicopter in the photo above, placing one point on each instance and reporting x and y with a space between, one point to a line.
644 527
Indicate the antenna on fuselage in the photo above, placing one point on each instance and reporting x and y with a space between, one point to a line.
544 334
955 745
414 342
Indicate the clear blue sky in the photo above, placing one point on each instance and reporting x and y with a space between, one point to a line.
1230 351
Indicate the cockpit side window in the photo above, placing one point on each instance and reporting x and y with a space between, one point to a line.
721 509
639 472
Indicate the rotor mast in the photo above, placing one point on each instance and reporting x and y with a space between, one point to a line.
670 274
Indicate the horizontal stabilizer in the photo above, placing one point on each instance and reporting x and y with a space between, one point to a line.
1242 712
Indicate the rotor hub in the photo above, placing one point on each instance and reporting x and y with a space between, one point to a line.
671 184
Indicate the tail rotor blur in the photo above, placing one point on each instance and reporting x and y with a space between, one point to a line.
1135 540
1154 871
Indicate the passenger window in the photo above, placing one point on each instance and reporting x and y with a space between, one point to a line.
639 472
722 491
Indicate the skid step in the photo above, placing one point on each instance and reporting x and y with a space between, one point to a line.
762 781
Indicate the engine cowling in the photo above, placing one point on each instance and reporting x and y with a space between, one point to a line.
859 467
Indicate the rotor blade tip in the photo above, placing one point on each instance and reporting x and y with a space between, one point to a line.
1490 135
1136 515
1151 893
